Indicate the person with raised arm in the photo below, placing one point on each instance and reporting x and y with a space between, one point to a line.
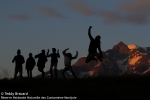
54 60
94 45
67 61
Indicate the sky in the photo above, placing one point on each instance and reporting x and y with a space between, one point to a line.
33 25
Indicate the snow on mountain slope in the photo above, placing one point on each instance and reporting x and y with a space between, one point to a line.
122 65
143 50
134 60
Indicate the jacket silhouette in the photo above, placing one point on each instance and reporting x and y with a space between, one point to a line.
30 63
54 60
94 45
19 60
42 59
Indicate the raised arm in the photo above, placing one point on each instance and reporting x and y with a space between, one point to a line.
64 52
75 55
48 53
58 55
89 33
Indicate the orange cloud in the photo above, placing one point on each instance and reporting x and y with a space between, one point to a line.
138 18
81 7
50 12
130 11
136 12
111 16
138 6
19 17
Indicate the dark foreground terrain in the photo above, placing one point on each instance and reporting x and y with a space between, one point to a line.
101 88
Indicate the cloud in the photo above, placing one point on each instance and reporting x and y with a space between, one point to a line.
138 6
130 11
80 6
137 12
138 18
50 12
19 17
111 16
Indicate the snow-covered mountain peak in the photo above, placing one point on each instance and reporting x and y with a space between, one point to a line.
132 46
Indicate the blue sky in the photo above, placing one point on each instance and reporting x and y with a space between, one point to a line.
33 25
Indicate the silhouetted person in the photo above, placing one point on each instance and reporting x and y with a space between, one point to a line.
94 45
67 61
19 60
30 63
54 61
42 59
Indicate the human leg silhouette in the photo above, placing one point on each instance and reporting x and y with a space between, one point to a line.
91 56
71 70
55 70
28 73
64 70
100 58
42 71
20 72
51 67
15 73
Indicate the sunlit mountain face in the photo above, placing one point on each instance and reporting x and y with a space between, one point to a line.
121 59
